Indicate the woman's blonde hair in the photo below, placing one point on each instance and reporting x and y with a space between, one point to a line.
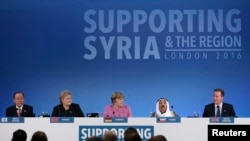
63 94
116 95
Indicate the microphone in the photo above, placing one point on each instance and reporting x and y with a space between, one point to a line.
114 113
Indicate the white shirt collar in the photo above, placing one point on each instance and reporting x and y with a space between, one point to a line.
218 105
19 107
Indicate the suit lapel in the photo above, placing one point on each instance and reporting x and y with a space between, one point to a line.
212 111
23 111
224 110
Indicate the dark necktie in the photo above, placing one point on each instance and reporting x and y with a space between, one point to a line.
218 111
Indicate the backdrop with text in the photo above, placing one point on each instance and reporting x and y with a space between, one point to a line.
180 50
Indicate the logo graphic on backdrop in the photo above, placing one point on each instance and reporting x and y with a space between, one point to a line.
88 131
182 34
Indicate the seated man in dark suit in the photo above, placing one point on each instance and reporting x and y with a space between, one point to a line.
219 108
66 108
19 109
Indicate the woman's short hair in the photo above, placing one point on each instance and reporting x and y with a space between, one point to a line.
39 136
94 138
158 138
116 95
110 136
19 135
131 134
63 94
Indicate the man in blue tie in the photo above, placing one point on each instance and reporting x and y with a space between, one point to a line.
219 108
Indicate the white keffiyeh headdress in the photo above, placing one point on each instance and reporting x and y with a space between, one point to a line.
168 113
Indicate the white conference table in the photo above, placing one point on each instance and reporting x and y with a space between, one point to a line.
189 129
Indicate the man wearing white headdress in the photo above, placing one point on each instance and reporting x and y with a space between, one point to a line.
162 109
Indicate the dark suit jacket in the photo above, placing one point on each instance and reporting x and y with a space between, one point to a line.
74 111
27 111
227 110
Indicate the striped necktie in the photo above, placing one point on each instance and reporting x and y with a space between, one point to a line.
19 111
